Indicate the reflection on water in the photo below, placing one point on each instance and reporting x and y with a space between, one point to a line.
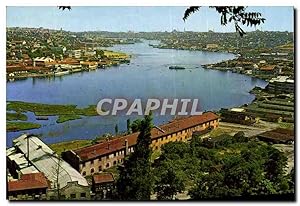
147 76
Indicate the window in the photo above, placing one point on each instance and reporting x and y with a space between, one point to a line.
92 170
83 195
73 195
100 168
115 162
107 165
92 162
84 173
115 154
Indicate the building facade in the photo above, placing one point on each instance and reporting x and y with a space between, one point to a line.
93 159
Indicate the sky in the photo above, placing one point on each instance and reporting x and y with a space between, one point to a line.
140 19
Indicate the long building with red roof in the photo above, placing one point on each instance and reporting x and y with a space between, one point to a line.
95 158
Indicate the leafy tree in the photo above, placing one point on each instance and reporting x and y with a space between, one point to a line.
169 182
136 125
234 14
275 165
136 180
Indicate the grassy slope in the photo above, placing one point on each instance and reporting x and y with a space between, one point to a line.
70 145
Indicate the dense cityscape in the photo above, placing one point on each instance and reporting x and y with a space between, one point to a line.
236 153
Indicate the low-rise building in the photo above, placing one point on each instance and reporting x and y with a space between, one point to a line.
42 61
278 136
93 159
103 185
29 186
75 54
65 181
281 84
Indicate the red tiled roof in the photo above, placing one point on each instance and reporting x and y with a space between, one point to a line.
103 178
29 181
268 68
176 125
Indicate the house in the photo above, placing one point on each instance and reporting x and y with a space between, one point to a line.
42 61
29 186
212 46
75 54
29 154
103 185
93 159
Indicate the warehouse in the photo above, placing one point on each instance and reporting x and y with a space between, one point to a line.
31 155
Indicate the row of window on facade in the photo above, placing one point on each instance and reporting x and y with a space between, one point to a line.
92 170
107 157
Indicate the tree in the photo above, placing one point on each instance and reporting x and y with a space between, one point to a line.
235 14
116 129
136 125
128 126
275 165
136 180
169 183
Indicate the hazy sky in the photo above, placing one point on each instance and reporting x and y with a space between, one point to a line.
139 19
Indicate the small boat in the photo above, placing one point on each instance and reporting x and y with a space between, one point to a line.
176 67
41 118
61 73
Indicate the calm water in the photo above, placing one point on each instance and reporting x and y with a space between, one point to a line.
147 76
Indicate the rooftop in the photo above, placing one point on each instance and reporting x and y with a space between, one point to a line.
282 79
46 161
278 134
103 178
28 181
110 146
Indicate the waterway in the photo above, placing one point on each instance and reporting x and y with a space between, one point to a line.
147 76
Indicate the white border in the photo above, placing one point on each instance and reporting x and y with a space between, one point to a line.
5 3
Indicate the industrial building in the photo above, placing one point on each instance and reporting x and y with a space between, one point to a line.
29 155
281 84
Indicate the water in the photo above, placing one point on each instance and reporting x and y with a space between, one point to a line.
147 76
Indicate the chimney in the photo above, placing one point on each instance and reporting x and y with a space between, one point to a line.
126 147
108 146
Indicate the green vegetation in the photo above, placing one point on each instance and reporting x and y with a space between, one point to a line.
136 179
65 118
15 116
50 109
223 167
17 126
70 145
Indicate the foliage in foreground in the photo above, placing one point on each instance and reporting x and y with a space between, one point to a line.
224 167
136 180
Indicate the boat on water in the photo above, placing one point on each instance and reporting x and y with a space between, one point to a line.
61 73
41 118
176 67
